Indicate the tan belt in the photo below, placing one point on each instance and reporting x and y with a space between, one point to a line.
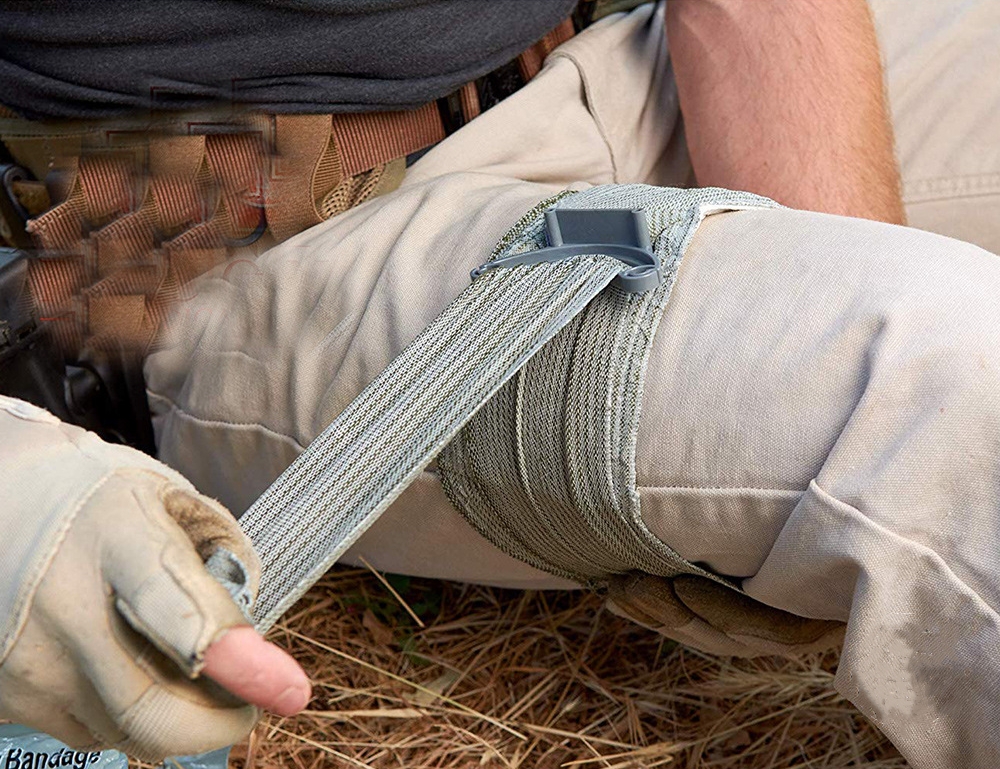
142 207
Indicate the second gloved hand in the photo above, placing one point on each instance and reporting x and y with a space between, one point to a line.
708 616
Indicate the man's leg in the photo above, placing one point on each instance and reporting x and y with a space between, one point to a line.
942 60
822 416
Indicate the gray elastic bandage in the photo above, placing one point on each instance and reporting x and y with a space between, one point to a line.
546 469
352 472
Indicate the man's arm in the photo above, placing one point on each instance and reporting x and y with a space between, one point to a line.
785 98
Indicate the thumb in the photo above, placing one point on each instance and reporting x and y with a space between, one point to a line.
258 672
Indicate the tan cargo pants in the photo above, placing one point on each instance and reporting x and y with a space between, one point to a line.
822 408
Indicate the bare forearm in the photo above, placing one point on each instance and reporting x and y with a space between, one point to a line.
785 98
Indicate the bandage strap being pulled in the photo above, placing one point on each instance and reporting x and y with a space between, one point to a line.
350 474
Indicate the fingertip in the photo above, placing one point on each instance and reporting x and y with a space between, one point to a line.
292 700
257 671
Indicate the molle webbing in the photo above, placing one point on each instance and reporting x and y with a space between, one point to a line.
143 209
350 474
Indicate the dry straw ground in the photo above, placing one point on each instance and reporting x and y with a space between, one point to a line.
499 678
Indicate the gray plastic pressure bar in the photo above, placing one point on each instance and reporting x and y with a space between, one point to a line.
619 233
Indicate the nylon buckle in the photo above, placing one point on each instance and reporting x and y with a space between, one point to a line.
619 233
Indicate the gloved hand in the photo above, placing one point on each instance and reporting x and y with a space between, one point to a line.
708 616
106 607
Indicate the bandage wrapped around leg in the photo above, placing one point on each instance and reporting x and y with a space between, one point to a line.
106 605
545 470
819 421
791 434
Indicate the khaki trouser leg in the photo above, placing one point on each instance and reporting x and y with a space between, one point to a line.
942 58
821 416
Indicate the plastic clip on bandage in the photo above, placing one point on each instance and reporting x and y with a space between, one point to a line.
619 233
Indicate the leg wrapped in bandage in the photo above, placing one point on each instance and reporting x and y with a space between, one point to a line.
818 426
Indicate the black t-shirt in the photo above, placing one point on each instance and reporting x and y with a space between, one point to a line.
98 58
